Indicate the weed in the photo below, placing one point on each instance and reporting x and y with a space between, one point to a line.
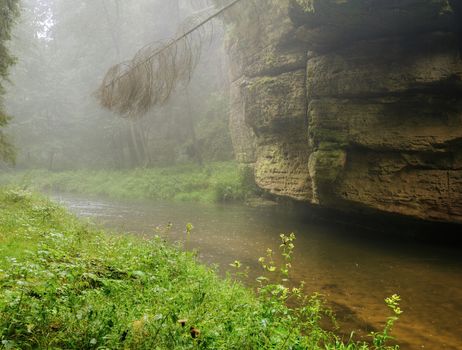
215 182
66 285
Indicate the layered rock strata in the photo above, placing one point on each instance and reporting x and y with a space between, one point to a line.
353 104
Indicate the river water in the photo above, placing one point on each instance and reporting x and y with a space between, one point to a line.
354 269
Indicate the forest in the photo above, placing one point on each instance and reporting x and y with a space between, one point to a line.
230 174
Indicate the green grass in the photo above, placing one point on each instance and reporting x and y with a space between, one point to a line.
66 285
214 182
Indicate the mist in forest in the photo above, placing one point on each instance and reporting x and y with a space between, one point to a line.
309 150
64 50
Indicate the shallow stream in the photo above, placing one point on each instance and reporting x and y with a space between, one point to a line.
354 270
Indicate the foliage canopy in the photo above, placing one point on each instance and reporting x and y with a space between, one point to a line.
9 10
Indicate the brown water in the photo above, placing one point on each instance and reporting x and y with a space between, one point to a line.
354 270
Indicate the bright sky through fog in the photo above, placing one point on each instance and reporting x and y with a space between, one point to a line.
45 21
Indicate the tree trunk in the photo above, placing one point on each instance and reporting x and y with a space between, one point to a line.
51 157
196 149
132 154
135 144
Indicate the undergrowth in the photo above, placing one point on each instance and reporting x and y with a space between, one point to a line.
66 285
214 182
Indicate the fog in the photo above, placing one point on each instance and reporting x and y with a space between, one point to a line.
302 146
64 49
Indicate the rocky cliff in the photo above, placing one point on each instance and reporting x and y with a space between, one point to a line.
352 104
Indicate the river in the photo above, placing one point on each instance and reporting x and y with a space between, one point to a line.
353 268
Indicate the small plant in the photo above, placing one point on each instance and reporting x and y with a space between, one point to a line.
239 272
291 309
381 338
163 229
189 228
268 263
17 195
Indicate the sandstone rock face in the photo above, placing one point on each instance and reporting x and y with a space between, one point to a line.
242 135
355 105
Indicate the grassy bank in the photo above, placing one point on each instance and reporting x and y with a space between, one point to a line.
214 182
67 286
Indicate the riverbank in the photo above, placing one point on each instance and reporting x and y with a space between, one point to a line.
67 285
214 182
